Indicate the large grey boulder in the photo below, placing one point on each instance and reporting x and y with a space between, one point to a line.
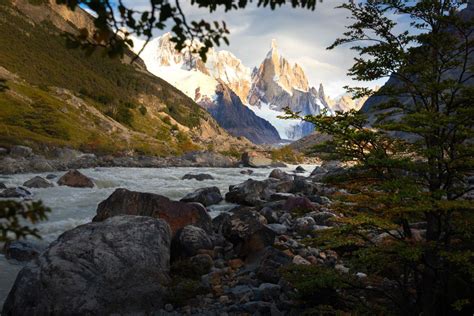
117 266
38 182
176 214
250 192
205 196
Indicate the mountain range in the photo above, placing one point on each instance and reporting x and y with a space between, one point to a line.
243 101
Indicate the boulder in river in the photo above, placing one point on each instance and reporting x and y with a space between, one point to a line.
300 169
17 192
2 186
38 182
176 214
255 159
118 266
280 175
198 177
247 172
73 178
189 240
20 250
205 196
250 192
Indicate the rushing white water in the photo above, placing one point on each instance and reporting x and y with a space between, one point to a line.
72 206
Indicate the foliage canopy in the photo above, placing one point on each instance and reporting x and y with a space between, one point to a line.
408 218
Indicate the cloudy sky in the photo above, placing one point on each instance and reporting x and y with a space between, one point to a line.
302 37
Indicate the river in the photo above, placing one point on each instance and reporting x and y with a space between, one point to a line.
72 207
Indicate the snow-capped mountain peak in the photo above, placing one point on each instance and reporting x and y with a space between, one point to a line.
276 84
266 90
278 69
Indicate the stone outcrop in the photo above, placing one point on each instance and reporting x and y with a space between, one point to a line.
176 214
116 266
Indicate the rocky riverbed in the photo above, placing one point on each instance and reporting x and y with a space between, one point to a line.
142 250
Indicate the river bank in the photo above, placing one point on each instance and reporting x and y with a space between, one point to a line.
22 159
72 206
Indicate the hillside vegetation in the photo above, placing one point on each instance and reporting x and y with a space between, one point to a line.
118 106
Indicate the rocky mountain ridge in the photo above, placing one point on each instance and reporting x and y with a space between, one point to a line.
266 90
212 85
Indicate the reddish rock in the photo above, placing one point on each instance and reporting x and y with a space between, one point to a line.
176 214
247 233
299 203
75 179
235 263
312 259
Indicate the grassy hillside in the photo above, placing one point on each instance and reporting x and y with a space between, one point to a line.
155 117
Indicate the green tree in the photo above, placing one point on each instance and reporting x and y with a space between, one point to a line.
113 17
14 217
407 222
